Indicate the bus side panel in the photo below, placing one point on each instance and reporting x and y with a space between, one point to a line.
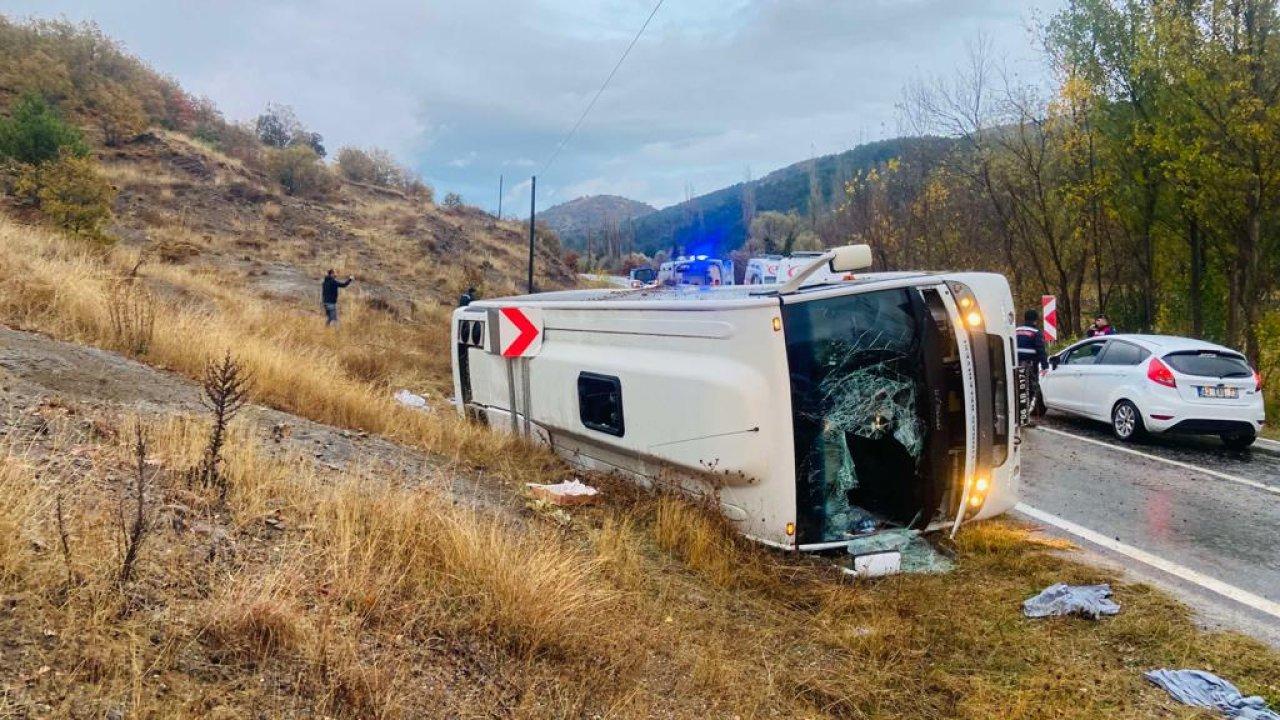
712 407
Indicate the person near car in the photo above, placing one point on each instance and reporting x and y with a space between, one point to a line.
1101 326
1033 356
329 295
467 297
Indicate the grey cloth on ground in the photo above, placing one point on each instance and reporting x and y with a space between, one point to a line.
1089 601
1206 690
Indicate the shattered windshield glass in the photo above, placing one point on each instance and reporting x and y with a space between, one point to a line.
856 372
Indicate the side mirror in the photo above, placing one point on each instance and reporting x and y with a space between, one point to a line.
849 258
1054 360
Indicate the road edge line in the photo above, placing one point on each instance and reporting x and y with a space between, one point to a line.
1177 463
1231 592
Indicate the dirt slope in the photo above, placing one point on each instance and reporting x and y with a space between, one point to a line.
38 373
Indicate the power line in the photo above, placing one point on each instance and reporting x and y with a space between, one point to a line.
600 92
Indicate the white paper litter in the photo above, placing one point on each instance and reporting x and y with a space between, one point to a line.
570 487
412 400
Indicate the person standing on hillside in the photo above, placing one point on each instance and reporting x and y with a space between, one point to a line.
329 295
467 297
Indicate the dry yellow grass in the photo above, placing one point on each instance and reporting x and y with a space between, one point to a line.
19 504
122 174
382 599
56 287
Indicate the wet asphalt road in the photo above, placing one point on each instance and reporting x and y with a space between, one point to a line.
1226 530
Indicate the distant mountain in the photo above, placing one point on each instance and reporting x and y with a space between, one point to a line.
573 221
714 223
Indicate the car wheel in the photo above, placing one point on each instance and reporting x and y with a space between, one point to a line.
1126 421
1238 441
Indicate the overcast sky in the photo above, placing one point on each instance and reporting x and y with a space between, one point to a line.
465 90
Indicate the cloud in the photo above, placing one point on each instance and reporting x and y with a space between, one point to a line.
465 160
464 91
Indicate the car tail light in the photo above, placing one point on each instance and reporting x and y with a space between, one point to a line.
1160 374
1257 381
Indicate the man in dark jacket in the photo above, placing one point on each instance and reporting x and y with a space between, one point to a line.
467 297
1032 354
329 295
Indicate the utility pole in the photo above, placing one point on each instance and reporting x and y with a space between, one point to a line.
533 195
499 197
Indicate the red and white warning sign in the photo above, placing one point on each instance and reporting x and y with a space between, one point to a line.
519 331
1049 311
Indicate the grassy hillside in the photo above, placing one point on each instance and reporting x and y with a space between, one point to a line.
193 188
181 202
714 223
595 216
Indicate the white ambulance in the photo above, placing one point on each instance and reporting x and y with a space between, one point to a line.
770 269
811 413
696 270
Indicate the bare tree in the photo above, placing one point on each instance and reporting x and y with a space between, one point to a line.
64 538
226 387
133 533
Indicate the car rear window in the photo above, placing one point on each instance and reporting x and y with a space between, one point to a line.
1122 353
1209 364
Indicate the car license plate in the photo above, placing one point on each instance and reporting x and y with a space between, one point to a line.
1210 391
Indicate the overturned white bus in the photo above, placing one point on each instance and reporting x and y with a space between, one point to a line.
812 413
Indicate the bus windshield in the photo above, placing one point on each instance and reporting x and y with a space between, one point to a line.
860 402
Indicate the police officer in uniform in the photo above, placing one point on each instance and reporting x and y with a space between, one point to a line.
1032 355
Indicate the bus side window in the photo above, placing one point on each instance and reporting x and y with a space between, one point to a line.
600 403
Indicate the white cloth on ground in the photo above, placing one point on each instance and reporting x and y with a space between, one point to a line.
1206 690
1091 601
412 400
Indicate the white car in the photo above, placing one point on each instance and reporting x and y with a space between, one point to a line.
1155 384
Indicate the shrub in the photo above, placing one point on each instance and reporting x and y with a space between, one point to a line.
277 125
176 252
298 169
386 171
71 192
181 111
238 141
120 115
132 312
313 140
418 190
571 259
453 200
34 133
356 165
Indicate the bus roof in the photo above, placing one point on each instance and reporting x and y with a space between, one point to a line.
686 296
